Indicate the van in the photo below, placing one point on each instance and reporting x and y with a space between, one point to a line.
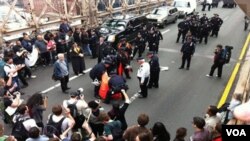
185 7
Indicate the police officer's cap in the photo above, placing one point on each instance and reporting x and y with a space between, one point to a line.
150 53
139 58
216 14
107 62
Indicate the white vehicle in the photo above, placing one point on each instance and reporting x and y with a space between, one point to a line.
185 7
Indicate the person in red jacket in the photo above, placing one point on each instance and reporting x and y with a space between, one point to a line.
216 133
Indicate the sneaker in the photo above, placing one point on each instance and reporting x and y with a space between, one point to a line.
208 75
218 77
33 76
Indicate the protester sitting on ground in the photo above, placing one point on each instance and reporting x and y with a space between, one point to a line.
34 135
180 134
160 132
131 132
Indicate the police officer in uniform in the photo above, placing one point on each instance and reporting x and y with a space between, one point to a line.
143 76
139 44
183 27
158 38
216 22
187 50
123 58
203 18
96 74
116 84
152 38
204 31
100 47
154 70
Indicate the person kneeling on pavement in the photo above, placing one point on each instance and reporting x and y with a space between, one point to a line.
116 84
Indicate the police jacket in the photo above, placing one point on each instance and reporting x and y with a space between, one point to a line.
97 71
188 48
108 51
116 82
154 64
183 26
139 42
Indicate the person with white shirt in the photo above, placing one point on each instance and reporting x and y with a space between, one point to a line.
11 69
207 3
77 99
143 76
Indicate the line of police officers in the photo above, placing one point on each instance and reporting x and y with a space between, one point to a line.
199 27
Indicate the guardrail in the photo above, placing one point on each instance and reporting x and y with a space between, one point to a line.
243 84
135 8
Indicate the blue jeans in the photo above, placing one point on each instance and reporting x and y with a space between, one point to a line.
86 49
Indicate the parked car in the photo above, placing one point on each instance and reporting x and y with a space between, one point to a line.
122 27
163 15
185 7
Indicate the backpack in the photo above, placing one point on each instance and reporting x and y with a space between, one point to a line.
116 130
226 54
53 128
19 131
73 109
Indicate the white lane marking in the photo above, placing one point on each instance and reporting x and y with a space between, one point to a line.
134 97
165 31
70 79
164 68
225 18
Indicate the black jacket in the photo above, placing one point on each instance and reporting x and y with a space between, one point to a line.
154 64
188 48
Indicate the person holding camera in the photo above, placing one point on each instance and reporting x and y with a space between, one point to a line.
37 104
219 61
77 106
116 84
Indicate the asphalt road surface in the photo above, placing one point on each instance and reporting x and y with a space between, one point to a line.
182 94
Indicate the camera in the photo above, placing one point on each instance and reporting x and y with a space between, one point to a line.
78 93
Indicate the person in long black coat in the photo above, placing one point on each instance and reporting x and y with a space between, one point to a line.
77 59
